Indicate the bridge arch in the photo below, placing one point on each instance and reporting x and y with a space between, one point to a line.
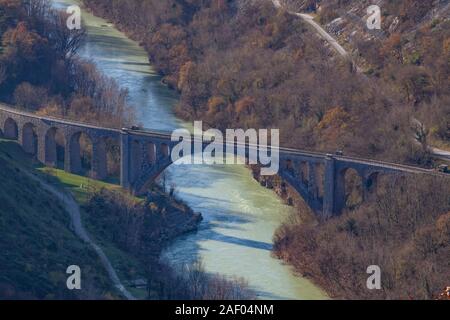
55 147
149 175
371 184
30 138
11 129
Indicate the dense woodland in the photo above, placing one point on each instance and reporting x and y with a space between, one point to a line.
405 230
244 63
410 53
40 71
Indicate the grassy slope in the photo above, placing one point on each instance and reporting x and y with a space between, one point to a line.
36 243
127 267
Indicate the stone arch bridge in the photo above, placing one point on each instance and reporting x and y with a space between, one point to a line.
145 155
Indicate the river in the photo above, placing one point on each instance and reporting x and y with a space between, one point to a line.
240 216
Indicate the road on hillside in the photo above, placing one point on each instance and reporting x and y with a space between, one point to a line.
438 153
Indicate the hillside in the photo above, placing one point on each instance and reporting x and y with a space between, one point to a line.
409 55
247 64
36 242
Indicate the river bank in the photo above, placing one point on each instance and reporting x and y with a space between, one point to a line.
142 228
132 232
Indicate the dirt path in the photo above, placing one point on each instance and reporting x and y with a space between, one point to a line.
73 209
320 31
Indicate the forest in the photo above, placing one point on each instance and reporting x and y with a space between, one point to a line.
405 230
41 72
246 64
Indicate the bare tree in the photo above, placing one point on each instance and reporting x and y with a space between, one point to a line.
66 42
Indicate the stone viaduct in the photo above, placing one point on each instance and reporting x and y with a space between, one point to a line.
319 178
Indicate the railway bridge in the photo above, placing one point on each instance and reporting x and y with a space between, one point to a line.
319 178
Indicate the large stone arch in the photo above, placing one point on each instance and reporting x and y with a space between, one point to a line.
51 146
30 138
148 159
11 129
149 174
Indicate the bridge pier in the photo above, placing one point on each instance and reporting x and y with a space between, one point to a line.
41 147
50 154
28 139
99 160
72 159
124 160
312 184
329 197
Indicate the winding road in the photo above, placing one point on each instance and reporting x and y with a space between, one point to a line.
320 31
73 209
